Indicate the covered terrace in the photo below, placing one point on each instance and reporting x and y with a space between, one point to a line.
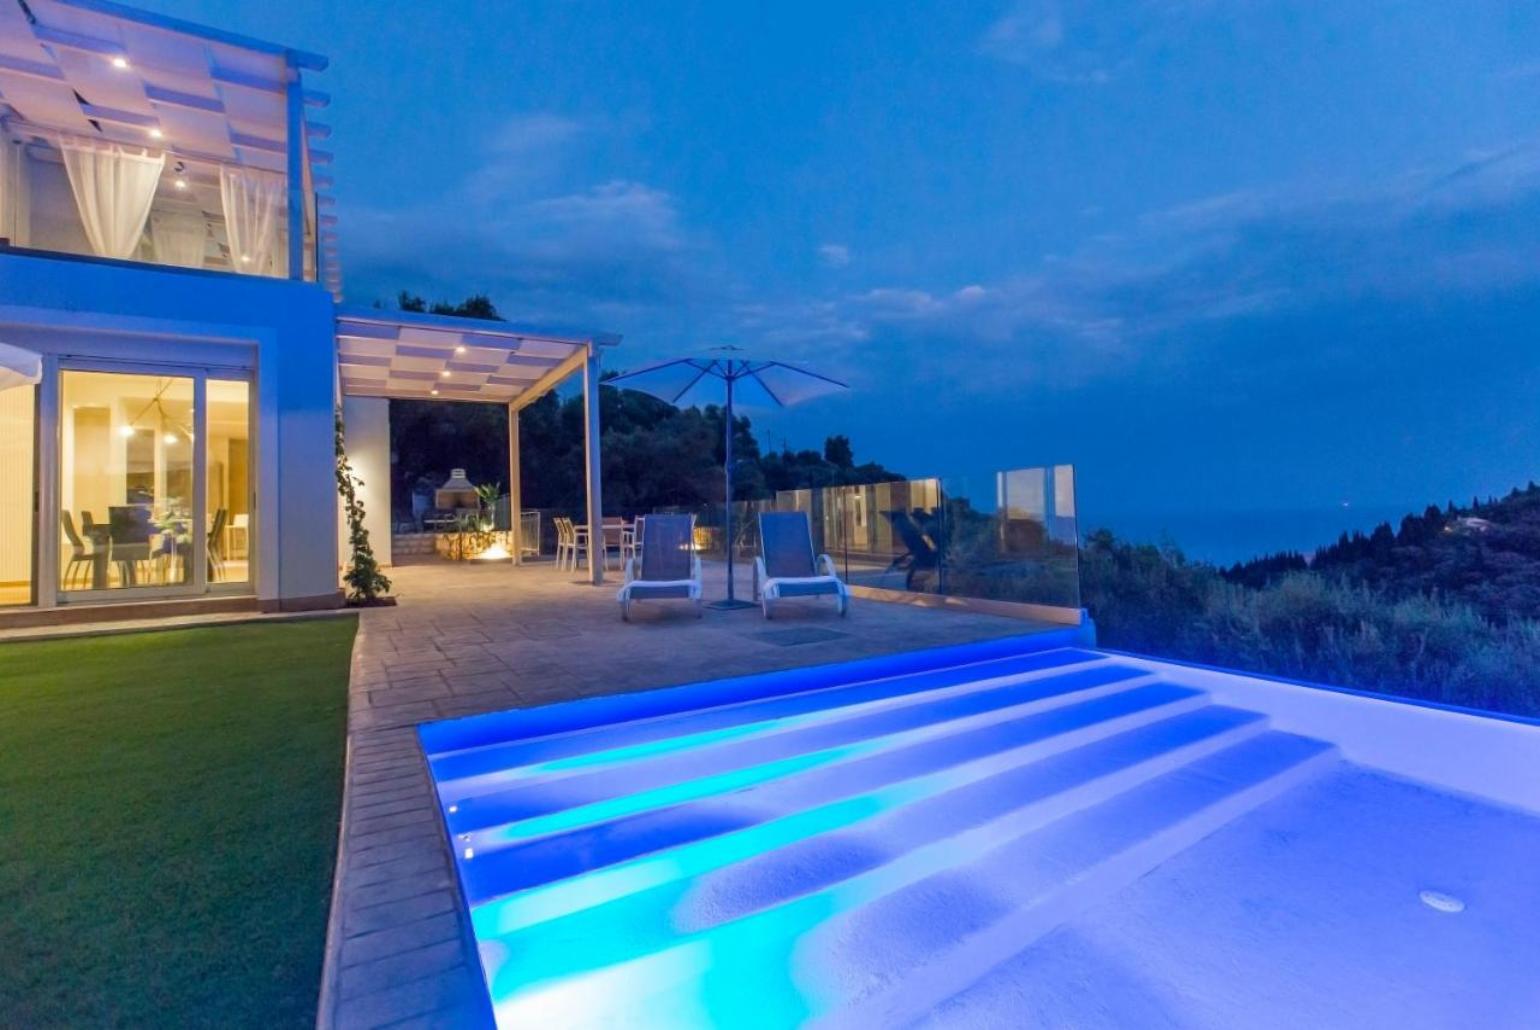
396 355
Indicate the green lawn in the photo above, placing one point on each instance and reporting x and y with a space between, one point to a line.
168 823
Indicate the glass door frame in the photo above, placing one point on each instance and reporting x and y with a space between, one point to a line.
48 588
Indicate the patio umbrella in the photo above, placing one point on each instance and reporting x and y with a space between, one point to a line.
747 380
19 367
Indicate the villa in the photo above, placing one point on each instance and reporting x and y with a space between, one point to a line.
951 809
169 285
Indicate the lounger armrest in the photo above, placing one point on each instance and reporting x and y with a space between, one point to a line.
826 564
630 569
695 572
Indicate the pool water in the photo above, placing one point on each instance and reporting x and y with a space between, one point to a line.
964 836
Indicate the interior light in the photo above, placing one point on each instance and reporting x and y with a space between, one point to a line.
120 63
126 431
156 133
169 438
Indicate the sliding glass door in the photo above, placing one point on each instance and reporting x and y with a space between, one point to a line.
18 449
154 496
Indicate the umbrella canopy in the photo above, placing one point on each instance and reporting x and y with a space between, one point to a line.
19 367
686 381
742 379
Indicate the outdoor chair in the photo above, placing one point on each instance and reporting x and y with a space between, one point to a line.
571 541
667 568
786 566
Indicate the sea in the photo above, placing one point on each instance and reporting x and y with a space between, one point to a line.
1226 537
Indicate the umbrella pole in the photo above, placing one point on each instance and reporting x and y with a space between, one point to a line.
727 449
731 602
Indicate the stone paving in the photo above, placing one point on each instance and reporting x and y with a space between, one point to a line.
469 638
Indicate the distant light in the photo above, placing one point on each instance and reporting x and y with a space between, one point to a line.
126 431
444 374
460 349
120 63
434 391
181 184
1438 901
156 133
470 852
453 809
169 438
245 259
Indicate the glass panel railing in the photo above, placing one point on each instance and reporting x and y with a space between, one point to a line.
1009 535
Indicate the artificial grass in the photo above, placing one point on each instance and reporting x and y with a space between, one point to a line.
168 824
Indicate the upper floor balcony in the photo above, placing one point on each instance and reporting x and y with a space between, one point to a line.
134 137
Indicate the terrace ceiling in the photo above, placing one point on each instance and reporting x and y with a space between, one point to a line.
94 69
411 356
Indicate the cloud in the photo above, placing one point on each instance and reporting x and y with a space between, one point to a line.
1084 42
606 255
834 255
1202 285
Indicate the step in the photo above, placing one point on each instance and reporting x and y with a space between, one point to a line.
459 773
1017 788
885 945
835 736
600 838
1039 882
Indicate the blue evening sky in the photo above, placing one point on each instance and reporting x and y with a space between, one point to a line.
1228 254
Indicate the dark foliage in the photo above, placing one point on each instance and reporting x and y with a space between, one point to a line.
1486 555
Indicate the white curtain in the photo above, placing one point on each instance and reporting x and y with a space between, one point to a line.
178 238
15 193
254 204
113 191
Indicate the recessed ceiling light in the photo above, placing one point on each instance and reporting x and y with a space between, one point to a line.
120 63
156 133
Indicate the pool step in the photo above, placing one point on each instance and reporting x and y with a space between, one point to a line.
887 968
902 769
888 939
467 772
522 810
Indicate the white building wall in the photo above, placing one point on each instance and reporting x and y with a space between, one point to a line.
102 310
367 422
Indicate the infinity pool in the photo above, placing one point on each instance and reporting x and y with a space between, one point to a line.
981 835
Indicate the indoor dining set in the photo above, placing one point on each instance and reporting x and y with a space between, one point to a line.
140 547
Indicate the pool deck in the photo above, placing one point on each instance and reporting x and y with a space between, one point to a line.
467 639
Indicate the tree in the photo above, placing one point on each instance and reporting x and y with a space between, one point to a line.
837 452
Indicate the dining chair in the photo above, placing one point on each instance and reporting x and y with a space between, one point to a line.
216 545
82 556
128 530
